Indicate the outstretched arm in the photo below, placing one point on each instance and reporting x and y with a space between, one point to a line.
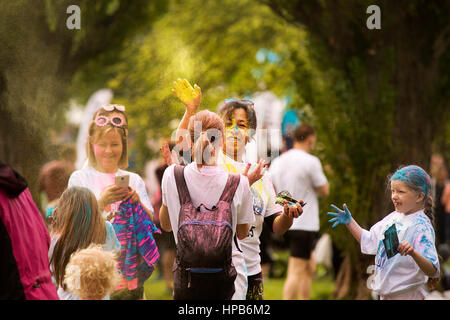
355 230
191 97
284 221
345 217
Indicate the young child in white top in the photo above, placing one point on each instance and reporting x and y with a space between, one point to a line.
400 276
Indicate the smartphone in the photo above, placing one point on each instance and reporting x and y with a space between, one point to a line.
123 181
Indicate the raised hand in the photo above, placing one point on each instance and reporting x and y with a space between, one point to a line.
190 96
169 157
341 216
256 173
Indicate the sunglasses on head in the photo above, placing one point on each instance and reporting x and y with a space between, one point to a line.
241 100
114 120
111 107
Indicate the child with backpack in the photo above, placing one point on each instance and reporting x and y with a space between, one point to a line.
205 207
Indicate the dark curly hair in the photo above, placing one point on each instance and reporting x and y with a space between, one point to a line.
227 109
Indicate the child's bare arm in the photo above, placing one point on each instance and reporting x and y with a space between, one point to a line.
164 219
405 248
191 98
355 230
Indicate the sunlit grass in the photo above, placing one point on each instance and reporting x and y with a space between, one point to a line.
322 286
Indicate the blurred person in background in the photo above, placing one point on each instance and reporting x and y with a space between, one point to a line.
165 240
439 182
53 179
302 175
445 201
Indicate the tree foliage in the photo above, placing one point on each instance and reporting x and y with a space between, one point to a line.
40 55
382 98
213 44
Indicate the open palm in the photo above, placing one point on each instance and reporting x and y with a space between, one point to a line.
190 96
341 216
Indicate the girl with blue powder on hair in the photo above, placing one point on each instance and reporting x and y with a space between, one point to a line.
400 276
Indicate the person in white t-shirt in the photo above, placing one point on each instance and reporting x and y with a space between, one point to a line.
300 173
408 230
205 181
107 149
239 117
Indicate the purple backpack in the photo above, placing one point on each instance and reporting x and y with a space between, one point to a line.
203 266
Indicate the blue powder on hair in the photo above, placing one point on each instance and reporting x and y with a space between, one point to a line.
414 175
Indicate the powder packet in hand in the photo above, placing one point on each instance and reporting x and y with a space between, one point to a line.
284 197
391 242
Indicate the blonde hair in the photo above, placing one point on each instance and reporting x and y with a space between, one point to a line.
92 273
79 223
210 137
96 132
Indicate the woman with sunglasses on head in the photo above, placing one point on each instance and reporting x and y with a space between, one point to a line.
108 158
239 118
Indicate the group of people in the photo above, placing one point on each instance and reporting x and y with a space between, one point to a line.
215 203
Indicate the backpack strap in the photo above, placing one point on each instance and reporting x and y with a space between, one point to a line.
230 188
183 192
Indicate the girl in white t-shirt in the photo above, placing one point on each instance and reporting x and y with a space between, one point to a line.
239 119
107 150
205 182
408 231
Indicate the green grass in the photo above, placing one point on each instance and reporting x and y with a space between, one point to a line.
155 289
322 286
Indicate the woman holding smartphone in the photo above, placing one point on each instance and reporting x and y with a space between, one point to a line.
105 175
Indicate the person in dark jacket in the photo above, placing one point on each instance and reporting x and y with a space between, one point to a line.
24 243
